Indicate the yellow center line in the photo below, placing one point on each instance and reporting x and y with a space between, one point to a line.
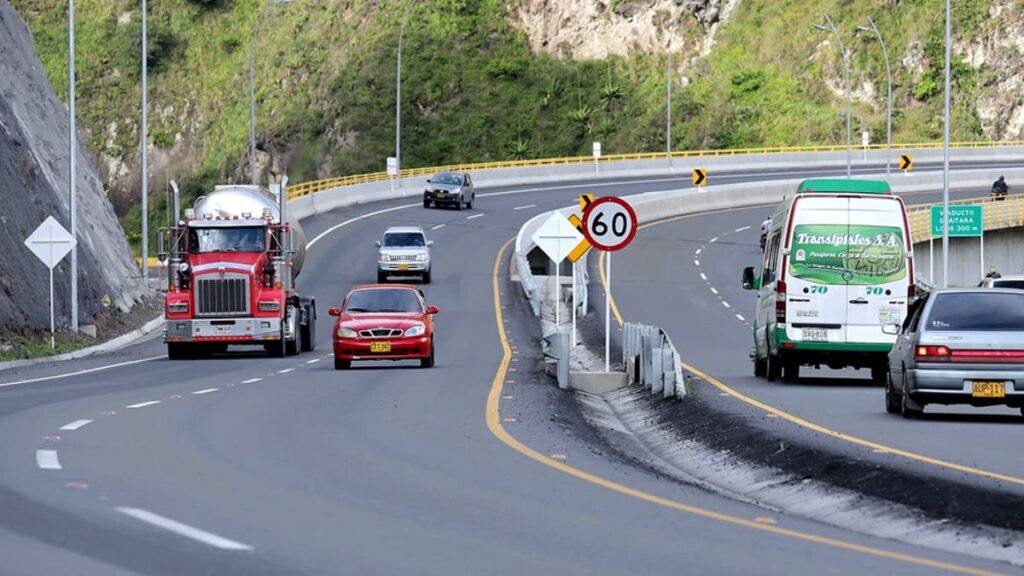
875 446
493 418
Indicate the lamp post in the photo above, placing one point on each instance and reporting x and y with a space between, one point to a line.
945 159
72 140
888 72
668 104
252 87
398 91
145 151
830 27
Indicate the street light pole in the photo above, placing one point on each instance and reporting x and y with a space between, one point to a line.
888 110
252 87
145 151
945 159
830 27
72 140
398 91
668 105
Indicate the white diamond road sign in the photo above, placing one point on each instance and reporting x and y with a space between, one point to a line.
50 242
557 237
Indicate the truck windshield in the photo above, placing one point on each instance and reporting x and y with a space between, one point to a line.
243 239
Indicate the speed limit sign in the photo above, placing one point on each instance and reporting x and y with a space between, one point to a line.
609 223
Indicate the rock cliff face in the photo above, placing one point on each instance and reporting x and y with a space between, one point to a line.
34 174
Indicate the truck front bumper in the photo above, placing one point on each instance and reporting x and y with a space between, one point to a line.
238 330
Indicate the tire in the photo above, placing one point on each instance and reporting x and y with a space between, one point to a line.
382 277
458 204
773 369
893 401
908 408
1022 411
342 364
470 203
309 332
295 346
426 277
791 369
428 362
880 373
760 366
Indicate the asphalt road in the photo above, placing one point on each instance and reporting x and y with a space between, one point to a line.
244 464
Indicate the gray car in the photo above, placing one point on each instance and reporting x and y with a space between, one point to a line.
958 346
403 251
449 188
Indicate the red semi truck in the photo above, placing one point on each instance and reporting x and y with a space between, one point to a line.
232 262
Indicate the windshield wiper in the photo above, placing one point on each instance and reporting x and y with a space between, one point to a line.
391 310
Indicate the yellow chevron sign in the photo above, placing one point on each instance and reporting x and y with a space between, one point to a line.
906 162
700 176
581 249
585 200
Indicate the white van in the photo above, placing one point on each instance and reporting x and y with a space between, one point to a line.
837 267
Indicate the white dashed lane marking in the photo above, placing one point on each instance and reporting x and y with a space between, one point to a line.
715 239
699 250
313 361
696 263
742 229
438 227
713 291
47 460
75 425
251 380
741 318
525 207
703 276
285 371
474 216
726 304
185 530
144 404
207 391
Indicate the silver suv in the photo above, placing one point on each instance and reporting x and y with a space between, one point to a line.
404 250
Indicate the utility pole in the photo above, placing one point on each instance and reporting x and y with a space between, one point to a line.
72 141
145 150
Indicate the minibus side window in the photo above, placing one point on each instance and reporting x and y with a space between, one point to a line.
771 259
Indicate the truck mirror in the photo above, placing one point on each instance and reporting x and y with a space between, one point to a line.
748 278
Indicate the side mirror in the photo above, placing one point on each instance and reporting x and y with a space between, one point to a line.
428 180
748 278
430 243
891 329
334 311
433 310
377 243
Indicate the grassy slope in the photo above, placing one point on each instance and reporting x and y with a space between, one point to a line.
471 89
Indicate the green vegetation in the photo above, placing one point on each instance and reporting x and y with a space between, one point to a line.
15 345
473 91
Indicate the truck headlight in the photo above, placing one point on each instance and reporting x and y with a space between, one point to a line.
346 332
177 308
270 306
183 267
417 330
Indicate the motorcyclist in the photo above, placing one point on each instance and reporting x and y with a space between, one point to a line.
1000 189
766 225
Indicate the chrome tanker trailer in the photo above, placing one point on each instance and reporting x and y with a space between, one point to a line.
232 261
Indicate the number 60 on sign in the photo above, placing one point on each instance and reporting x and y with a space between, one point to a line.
609 223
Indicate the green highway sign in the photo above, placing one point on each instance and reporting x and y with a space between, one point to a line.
964 220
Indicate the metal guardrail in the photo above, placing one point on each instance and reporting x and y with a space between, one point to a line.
996 215
650 359
311 187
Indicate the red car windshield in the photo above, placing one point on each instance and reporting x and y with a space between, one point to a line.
383 300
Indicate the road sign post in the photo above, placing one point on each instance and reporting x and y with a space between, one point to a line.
609 224
597 157
965 221
50 242
556 237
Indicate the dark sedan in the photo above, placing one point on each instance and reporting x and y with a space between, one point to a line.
449 188
962 346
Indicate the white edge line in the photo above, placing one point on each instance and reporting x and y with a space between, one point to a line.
144 404
525 207
47 460
741 318
184 529
438 227
79 372
742 229
285 370
251 380
474 216
75 425
207 391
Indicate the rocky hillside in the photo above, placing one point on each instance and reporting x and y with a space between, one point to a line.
34 173
498 79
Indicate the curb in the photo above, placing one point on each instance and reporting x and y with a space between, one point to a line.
108 346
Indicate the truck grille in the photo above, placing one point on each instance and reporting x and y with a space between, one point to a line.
222 296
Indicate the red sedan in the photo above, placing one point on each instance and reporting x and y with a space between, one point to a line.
384 322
